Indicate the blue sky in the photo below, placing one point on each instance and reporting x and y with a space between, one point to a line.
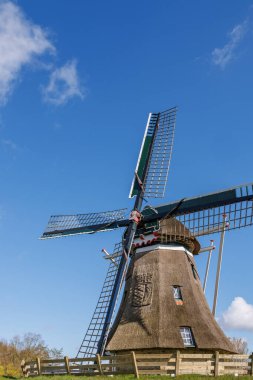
77 81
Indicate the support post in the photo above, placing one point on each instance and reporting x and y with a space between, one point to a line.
251 367
177 369
66 361
23 367
216 364
135 365
219 265
207 266
99 364
38 365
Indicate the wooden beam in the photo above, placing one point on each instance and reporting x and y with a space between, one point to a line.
66 361
136 372
23 365
38 365
177 367
99 364
216 365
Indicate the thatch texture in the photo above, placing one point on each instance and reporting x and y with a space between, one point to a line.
172 231
150 318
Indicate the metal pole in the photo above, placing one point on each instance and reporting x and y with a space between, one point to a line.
208 265
219 265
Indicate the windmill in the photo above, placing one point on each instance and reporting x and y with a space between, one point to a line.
163 304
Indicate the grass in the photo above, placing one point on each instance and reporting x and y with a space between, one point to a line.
131 377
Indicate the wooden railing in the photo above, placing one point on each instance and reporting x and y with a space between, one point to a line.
100 365
174 363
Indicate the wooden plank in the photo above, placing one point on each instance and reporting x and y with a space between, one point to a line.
216 368
191 364
154 356
81 367
233 364
154 364
85 366
116 365
38 365
42 361
23 367
168 368
196 366
99 364
78 360
52 368
135 367
196 369
203 372
177 366
118 357
197 356
119 361
66 361
232 357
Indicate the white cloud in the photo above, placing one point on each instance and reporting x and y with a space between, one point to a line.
239 315
63 85
20 42
222 56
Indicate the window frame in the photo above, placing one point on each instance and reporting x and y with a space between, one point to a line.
187 336
177 293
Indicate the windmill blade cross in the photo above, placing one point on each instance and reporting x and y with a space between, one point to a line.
204 215
152 169
65 225
89 345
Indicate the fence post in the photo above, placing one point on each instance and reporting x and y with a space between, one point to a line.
251 372
216 364
99 364
38 365
23 367
177 369
66 361
135 365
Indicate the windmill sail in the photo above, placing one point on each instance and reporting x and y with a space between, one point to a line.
152 169
204 215
65 225
89 345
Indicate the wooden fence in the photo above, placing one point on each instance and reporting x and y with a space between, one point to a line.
175 363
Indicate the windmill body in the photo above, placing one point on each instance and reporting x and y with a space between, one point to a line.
163 305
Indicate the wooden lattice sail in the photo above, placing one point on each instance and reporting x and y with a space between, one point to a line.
164 306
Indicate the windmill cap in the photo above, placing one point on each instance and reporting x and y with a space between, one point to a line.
173 231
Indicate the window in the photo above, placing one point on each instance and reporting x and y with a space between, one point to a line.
177 292
177 295
186 334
